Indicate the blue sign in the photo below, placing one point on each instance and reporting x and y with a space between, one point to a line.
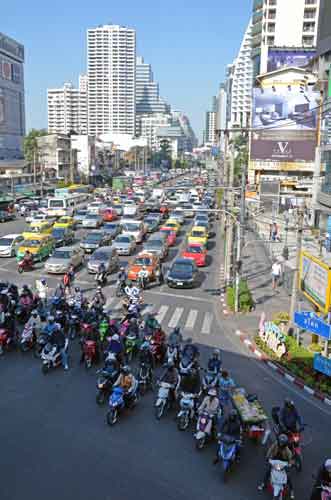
311 322
322 364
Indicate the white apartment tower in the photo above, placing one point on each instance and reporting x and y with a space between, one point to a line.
111 67
282 23
239 84
82 108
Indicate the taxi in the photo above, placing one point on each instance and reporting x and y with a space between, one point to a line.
196 252
198 234
109 215
171 235
39 245
150 261
66 222
173 224
40 227
117 200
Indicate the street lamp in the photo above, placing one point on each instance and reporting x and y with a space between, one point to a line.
285 249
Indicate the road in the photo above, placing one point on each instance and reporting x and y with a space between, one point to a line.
55 442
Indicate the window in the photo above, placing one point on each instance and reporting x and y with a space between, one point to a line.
270 40
308 40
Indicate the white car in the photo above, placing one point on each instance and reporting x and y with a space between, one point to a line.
130 209
96 207
9 244
135 228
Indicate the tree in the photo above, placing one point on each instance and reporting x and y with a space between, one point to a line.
240 148
30 146
165 152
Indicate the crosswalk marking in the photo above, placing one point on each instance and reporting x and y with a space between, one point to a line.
206 325
161 314
148 310
191 319
175 317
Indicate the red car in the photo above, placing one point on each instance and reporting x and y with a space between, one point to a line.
109 215
171 235
197 252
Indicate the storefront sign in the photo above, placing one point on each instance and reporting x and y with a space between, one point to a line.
322 364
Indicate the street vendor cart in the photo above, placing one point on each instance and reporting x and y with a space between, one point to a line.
253 417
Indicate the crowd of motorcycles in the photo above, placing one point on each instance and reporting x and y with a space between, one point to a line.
167 365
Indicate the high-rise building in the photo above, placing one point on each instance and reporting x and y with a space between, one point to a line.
63 109
210 129
12 109
111 61
239 84
149 125
148 98
282 23
221 113
82 106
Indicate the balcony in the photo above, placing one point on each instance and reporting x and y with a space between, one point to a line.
257 4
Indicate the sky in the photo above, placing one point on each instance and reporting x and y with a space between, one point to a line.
188 43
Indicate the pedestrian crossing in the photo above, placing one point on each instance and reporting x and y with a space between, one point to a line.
171 316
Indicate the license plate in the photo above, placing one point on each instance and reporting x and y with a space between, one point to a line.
180 283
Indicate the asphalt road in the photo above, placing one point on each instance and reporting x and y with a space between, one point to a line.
55 442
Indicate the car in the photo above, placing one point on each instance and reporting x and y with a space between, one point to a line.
171 235
41 227
157 244
109 214
151 224
96 207
178 215
63 258
39 245
6 216
104 255
32 215
94 240
92 221
152 205
112 228
188 210
202 223
9 244
135 228
119 209
183 273
197 234
63 236
125 244
197 252
173 224
79 216
67 222
156 216
37 216
150 261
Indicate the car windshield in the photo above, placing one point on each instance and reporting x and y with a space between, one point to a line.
168 232
194 249
100 256
123 239
31 243
181 267
110 226
154 244
150 221
56 203
81 212
131 227
197 234
93 237
6 242
61 254
58 231
143 261
92 216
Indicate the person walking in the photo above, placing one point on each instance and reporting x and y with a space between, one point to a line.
276 271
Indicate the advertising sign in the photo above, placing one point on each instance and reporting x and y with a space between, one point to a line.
287 119
280 58
315 281
322 364
272 335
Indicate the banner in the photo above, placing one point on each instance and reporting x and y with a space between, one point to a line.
287 119
281 58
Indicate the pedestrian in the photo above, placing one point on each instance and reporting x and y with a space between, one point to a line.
276 272
270 232
161 275
68 279
274 232
42 290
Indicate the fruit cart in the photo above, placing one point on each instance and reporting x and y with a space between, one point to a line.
254 418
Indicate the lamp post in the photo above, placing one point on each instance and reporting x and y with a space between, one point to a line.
285 249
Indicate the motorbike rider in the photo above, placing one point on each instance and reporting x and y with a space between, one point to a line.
116 347
26 292
50 326
99 299
78 297
210 405
59 291
133 328
126 381
151 324
190 350
231 426
28 259
323 478
35 323
102 273
289 418
279 450
214 362
145 356
59 340
226 386
172 377
132 291
143 276
122 276
175 337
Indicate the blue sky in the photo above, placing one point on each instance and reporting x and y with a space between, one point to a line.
188 43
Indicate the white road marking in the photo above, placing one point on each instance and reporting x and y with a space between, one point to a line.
176 317
191 319
161 314
148 309
206 325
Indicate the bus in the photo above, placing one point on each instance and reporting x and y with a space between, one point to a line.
57 206
73 189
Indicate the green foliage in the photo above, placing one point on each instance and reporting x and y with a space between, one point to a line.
30 146
63 184
315 347
281 317
245 297
219 196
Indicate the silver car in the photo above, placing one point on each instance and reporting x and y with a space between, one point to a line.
125 244
92 221
157 244
104 255
62 258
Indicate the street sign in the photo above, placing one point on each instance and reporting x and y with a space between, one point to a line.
311 322
322 364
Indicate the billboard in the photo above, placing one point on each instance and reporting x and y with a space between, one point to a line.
324 28
284 124
280 58
315 281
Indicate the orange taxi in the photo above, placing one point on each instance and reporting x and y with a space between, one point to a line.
150 261
109 214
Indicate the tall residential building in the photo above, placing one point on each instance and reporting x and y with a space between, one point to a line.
111 67
190 140
221 113
239 84
12 109
148 98
279 24
210 129
67 108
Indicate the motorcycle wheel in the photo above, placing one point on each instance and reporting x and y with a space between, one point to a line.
182 423
159 411
200 443
112 417
24 347
44 369
298 462
100 398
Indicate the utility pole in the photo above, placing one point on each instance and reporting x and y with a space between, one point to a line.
34 169
238 267
229 224
297 266
72 166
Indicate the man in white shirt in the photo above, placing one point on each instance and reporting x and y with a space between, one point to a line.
276 271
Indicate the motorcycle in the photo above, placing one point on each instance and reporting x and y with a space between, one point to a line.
131 346
23 309
24 266
42 340
118 401
51 357
186 365
227 453
325 492
157 348
172 354
162 402
120 286
27 339
209 381
278 484
202 435
89 352
101 279
6 341
144 378
86 329
105 383
186 412
294 439
73 324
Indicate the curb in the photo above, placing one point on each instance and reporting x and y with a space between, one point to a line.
299 383
222 296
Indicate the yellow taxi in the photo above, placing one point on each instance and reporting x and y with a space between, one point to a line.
65 222
117 200
41 227
39 245
198 234
173 224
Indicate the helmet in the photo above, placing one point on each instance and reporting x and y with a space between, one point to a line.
34 312
25 287
121 268
144 346
51 319
216 353
125 369
282 440
289 403
77 289
144 268
212 392
116 337
327 465
233 414
43 281
133 321
176 330
99 288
